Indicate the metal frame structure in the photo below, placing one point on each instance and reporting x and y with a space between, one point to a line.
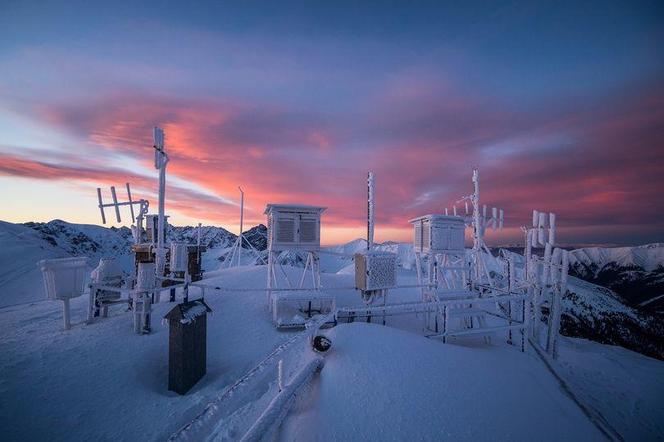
292 228
156 246
236 249
545 279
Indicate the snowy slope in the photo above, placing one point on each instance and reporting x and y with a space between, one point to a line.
635 273
103 382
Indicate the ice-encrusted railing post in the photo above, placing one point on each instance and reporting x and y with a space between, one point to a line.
549 283
556 304
280 374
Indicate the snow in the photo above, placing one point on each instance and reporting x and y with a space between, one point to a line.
380 383
192 313
103 382
626 387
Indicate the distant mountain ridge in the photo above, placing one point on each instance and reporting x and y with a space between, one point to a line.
23 245
92 240
634 273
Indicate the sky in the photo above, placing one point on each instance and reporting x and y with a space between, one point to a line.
559 104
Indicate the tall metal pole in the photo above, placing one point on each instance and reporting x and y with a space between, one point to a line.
371 208
239 252
477 225
160 161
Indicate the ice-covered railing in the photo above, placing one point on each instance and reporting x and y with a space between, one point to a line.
269 421
233 413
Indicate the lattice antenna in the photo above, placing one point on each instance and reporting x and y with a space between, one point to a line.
476 217
117 204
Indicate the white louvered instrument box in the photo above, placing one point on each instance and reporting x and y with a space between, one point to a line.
293 227
438 233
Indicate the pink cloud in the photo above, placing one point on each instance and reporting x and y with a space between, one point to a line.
422 144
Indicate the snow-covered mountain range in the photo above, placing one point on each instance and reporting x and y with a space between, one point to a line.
23 245
613 298
634 273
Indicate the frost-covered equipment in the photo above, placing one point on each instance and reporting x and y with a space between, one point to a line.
292 229
180 265
107 274
179 257
146 283
64 279
152 228
438 240
438 234
292 309
451 275
375 270
545 279
149 246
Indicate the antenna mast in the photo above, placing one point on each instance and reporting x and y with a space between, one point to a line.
160 162
371 209
239 252
238 244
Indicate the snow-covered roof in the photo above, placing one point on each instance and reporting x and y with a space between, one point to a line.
298 208
437 217
187 312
